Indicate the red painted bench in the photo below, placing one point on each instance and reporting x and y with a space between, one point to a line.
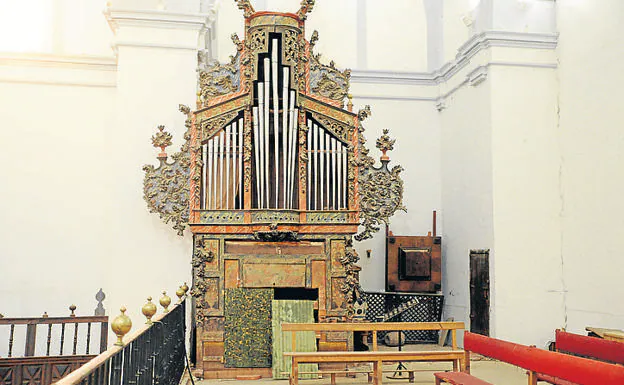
584 346
559 366
458 378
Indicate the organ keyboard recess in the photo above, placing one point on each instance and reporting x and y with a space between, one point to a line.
273 182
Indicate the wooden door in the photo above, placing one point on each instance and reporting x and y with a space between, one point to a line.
480 292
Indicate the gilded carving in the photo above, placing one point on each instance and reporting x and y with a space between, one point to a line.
210 127
247 150
351 288
166 188
384 143
218 79
303 153
291 46
246 7
221 217
340 129
326 80
326 217
203 284
271 216
306 7
380 189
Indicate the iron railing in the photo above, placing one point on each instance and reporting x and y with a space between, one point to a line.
153 355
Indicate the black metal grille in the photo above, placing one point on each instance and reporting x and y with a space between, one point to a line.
404 307
155 357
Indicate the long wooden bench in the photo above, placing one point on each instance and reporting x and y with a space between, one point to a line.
373 328
377 358
561 366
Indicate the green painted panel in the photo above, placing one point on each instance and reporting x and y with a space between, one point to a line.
292 311
248 328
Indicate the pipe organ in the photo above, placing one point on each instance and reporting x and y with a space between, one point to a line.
273 181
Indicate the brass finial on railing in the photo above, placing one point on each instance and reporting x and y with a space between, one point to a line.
165 301
72 308
121 326
180 294
45 314
149 309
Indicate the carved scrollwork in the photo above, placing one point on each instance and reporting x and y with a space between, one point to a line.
380 189
211 126
276 236
326 80
202 255
351 288
218 79
291 47
340 129
306 7
246 7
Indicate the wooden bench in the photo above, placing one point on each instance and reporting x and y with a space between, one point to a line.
373 328
377 358
559 366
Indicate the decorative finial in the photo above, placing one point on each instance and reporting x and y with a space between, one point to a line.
148 310
384 143
246 6
45 315
72 308
100 296
365 113
185 288
165 301
121 326
237 42
180 294
350 103
306 7
161 139
313 39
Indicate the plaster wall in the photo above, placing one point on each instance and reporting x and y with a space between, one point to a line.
592 143
466 188
56 198
526 270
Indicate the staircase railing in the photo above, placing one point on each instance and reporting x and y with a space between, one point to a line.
152 355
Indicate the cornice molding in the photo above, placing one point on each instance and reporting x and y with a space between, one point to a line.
82 62
117 18
449 70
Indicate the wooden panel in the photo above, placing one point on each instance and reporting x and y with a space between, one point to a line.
248 328
232 277
319 282
273 248
212 330
273 275
422 270
337 296
291 311
213 351
212 245
337 251
211 295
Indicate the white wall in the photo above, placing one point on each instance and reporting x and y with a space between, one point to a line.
591 84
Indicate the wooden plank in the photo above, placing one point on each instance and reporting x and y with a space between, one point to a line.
273 248
289 311
373 326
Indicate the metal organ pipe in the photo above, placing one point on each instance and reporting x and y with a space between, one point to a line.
265 149
292 148
274 81
334 172
285 133
226 161
240 163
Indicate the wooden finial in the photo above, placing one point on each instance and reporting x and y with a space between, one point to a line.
72 308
